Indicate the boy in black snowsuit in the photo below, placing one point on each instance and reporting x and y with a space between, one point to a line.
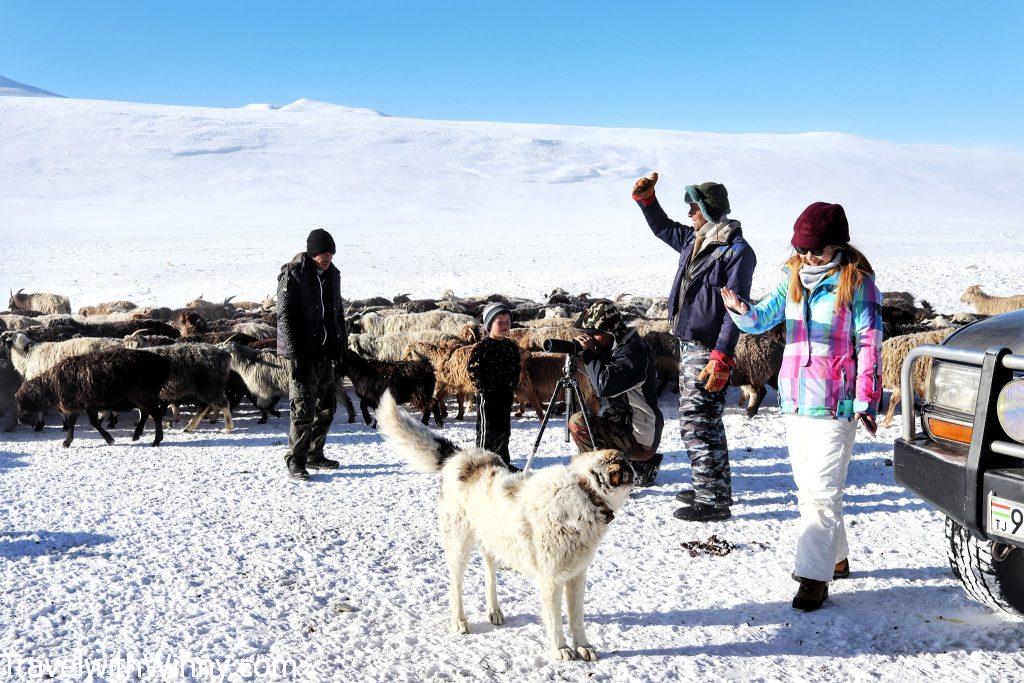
494 369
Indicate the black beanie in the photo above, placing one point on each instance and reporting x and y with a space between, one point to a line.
319 242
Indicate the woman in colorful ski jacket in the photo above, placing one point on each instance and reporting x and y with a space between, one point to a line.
829 381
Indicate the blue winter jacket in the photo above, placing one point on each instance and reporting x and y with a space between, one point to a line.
700 315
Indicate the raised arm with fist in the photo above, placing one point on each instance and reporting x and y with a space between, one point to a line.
643 189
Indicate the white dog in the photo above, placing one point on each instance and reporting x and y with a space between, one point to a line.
546 524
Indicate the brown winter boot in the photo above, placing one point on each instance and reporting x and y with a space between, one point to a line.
810 595
842 570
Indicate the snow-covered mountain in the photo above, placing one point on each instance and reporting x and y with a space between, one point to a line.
15 89
423 205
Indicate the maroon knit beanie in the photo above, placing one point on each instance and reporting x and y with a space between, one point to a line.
820 225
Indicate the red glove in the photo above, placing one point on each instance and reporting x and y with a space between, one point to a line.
643 189
716 372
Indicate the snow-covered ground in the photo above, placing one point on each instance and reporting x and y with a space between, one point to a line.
203 549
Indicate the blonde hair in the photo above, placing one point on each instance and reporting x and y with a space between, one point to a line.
853 268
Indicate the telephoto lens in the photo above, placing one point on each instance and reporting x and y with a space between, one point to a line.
571 347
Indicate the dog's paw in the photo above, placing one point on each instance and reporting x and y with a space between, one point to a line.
563 654
587 653
460 626
496 617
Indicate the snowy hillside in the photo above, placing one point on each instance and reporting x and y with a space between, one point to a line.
162 203
16 89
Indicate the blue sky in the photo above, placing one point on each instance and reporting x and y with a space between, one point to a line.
909 71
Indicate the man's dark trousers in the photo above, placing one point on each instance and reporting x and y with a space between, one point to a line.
313 402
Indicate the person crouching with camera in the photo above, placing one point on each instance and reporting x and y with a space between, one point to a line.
621 370
494 368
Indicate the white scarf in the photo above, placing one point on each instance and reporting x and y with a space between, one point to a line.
811 276
712 233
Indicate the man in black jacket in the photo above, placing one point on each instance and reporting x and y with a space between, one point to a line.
621 370
712 254
311 334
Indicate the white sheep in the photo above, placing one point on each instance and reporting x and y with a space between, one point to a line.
107 308
548 322
987 304
42 303
894 352
255 329
32 359
392 347
17 322
443 321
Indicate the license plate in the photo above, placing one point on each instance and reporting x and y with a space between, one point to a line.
1006 517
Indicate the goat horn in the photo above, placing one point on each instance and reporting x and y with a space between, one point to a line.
228 299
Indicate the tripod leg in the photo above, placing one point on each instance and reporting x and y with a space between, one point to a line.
543 425
570 408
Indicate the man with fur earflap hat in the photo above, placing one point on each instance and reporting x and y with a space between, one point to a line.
311 335
712 255
621 370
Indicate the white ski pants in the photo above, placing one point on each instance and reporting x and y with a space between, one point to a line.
819 451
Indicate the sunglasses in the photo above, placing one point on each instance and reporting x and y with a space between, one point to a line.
803 251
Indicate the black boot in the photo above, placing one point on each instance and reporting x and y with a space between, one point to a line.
507 459
646 470
297 469
699 512
317 461
810 595
686 496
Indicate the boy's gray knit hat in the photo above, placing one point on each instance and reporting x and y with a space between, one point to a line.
492 311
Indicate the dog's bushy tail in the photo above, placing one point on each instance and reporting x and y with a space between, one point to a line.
424 450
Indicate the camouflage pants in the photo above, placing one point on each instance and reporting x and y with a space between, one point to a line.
700 424
313 402
605 433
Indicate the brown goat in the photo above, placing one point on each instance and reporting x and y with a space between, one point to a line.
540 373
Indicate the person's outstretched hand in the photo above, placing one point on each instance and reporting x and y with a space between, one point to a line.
733 301
868 421
643 188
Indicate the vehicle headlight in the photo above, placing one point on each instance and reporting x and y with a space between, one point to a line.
1010 409
954 387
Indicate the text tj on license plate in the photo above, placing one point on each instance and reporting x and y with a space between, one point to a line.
1006 517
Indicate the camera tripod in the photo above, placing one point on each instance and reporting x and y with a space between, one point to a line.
570 387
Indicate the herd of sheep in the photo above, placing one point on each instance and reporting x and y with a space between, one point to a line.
209 356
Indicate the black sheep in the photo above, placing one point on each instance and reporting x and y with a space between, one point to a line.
115 379
410 381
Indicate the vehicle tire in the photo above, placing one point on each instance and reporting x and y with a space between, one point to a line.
999 585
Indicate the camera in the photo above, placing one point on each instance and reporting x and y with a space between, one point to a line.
569 347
